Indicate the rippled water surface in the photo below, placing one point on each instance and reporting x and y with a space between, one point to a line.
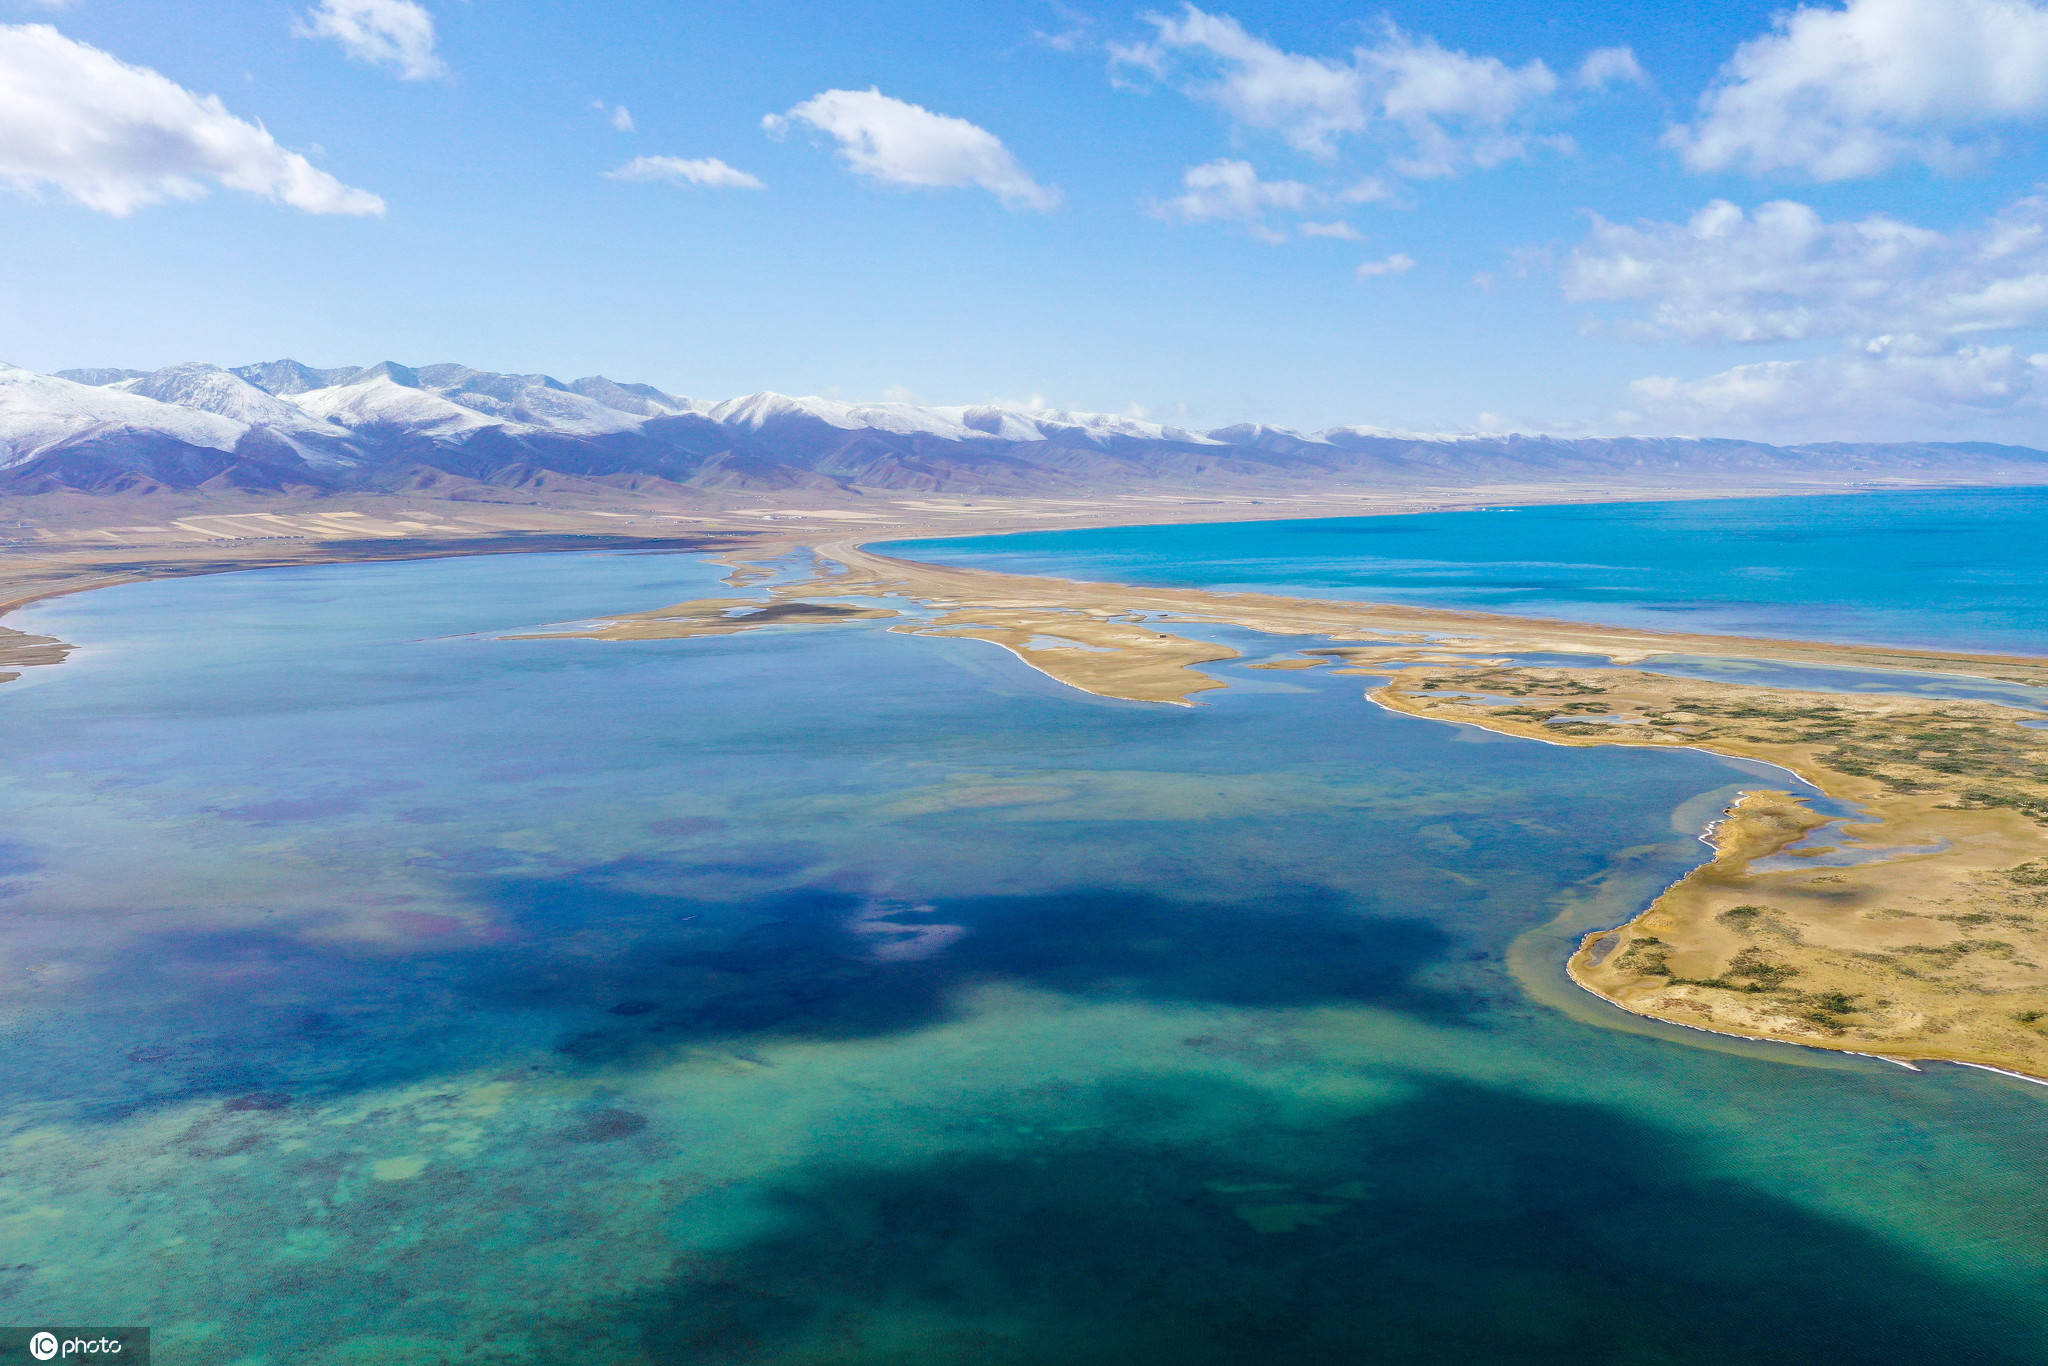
377 990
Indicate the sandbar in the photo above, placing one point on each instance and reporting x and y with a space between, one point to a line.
1914 928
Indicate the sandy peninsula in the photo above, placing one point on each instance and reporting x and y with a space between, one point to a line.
1914 927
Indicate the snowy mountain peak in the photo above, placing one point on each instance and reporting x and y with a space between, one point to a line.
391 370
378 399
287 377
964 423
539 401
758 410
100 376
453 401
282 424
641 400
210 389
39 412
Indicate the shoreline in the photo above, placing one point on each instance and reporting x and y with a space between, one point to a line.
1892 980
380 552
79 547
21 649
1127 648
1127 651
1421 650
1622 644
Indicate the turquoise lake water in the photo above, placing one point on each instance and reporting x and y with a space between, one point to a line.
378 990
1955 568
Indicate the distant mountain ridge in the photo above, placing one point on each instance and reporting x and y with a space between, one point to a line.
284 426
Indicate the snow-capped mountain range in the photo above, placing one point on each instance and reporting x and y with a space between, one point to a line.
281 425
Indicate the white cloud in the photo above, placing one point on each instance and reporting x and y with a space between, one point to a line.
1908 307
1232 190
117 137
1607 66
1308 100
1461 111
1400 263
394 33
900 143
622 119
1783 273
1428 81
1840 92
709 172
1876 392
1452 109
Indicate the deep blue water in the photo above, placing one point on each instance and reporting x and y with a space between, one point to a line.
379 990
1954 568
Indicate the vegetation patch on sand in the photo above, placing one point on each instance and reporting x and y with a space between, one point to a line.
1916 929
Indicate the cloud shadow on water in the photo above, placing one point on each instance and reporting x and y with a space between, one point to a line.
1463 1224
807 964
604 972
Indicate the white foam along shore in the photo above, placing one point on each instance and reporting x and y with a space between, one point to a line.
2003 1072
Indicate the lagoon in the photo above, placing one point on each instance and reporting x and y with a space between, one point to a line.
380 989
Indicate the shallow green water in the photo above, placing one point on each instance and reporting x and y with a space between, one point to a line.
380 991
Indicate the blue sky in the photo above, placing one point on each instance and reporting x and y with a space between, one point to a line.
1745 219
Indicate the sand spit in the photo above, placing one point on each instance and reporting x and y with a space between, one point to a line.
710 617
1916 930
21 650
